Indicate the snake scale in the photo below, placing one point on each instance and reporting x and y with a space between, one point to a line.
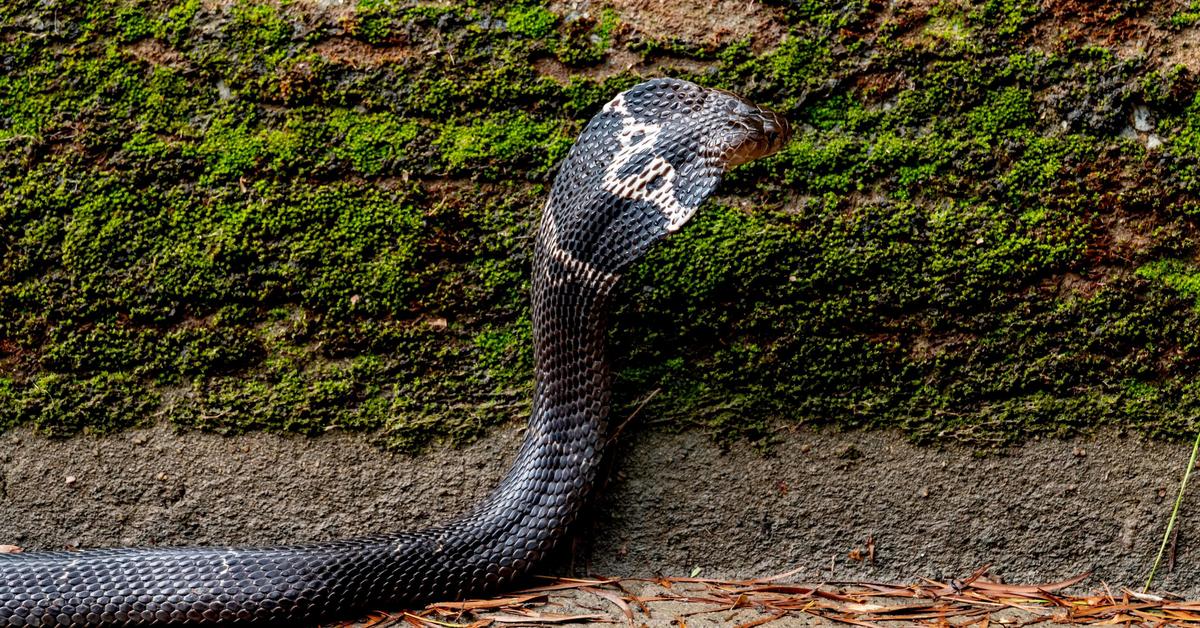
638 172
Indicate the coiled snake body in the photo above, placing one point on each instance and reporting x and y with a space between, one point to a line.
638 172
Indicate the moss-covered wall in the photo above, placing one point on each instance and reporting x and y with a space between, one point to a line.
303 216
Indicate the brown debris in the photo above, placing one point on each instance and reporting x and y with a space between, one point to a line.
1183 48
975 600
357 54
615 62
618 61
157 53
704 23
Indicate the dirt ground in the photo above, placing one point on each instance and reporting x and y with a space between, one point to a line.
835 506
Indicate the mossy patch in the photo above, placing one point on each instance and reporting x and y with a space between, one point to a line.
1181 277
532 21
504 139
204 220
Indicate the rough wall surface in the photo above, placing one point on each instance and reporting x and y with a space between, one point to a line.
294 216
836 505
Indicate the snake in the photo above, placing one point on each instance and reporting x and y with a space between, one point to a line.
638 172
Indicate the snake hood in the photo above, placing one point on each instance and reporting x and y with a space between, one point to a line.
647 161
638 172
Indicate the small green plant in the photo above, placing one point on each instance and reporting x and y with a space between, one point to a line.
586 41
1162 548
1178 275
502 139
1008 16
1186 17
534 22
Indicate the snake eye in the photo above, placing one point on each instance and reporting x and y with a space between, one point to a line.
772 127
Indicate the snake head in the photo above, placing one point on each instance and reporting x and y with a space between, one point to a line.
710 127
673 140
749 132
642 167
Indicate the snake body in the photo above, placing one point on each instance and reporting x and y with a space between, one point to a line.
639 170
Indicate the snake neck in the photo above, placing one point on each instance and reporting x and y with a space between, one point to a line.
555 470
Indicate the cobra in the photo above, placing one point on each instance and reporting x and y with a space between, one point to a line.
639 170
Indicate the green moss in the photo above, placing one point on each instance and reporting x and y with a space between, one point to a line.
530 21
379 21
506 354
1186 17
174 25
587 41
505 138
1005 110
134 23
59 405
827 14
1008 16
259 25
1177 275
231 148
10 404
799 63
950 31
1187 142
263 216
370 142
288 395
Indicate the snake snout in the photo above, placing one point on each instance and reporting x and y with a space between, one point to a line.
762 132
